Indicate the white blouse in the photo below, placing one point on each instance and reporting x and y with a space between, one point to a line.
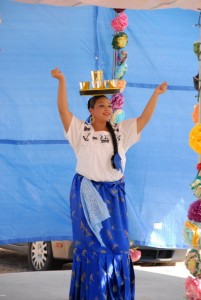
94 149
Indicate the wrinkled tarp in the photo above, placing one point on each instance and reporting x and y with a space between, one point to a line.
37 163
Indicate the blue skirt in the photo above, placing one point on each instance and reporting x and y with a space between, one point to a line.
101 271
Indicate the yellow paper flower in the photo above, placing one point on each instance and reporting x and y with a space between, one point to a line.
122 41
195 138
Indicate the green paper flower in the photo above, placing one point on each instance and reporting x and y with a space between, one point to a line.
196 47
120 40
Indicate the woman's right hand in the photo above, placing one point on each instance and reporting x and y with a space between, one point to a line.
56 73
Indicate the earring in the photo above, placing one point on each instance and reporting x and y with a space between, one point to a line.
92 119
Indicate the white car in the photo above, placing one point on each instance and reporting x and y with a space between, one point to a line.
42 255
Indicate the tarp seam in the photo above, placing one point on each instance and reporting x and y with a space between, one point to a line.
153 86
32 142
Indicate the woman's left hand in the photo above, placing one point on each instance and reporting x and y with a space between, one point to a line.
161 89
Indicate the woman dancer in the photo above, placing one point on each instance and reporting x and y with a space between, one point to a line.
102 267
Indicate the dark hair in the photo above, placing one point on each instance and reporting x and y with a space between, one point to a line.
92 100
91 103
114 142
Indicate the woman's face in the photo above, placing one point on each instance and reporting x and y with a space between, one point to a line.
102 110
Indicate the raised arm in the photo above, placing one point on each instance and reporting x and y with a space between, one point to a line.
150 107
65 114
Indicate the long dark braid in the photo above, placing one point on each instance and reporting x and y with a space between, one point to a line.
91 103
114 142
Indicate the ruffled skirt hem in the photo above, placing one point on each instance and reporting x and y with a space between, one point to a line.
101 276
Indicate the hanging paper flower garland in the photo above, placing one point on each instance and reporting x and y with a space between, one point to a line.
192 227
120 40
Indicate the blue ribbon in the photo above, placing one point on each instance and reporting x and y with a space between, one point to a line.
88 121
117 162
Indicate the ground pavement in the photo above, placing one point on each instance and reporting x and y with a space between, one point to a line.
152 283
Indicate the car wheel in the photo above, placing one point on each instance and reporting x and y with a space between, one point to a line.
40 257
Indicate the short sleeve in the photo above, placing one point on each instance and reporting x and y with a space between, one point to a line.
74 133
128 128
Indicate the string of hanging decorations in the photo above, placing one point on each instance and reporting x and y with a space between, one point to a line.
192 227
120 67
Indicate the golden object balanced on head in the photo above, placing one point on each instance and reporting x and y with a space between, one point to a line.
84 85
97 79
96 75
112 83
99 85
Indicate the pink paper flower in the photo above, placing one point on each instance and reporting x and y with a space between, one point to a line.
135 254
193 288
120 22
117 101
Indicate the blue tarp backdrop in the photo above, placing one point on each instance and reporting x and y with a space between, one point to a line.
36 162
